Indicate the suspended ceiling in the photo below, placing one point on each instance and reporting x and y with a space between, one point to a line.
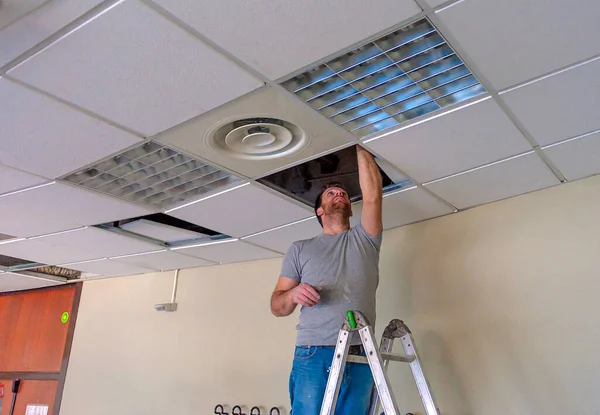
85 81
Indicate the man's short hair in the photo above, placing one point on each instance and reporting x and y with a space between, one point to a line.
319 198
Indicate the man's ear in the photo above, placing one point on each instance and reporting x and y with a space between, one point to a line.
320 211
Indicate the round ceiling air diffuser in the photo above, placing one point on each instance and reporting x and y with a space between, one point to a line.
257 139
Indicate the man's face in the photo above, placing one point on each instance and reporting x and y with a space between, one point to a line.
334 200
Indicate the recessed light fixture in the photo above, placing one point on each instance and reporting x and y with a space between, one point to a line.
152 175
384 83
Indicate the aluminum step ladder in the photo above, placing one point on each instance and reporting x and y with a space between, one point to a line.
375 358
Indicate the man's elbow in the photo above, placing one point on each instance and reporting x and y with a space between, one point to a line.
278 313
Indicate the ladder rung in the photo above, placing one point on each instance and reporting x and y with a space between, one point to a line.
384 357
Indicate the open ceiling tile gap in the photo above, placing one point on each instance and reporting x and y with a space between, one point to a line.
304 182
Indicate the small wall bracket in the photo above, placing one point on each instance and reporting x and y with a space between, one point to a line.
172 306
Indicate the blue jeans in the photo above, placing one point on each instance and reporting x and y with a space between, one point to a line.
308 379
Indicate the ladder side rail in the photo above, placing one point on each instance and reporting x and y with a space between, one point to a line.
418 373
379 376
336 373
385 347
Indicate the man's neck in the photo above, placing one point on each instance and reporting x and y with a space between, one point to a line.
335 225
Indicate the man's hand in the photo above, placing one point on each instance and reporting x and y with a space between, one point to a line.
305 295
289 293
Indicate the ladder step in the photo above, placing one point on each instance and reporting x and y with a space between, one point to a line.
384 356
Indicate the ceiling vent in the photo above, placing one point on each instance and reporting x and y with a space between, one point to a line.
257 139
235 135
152 175
384 83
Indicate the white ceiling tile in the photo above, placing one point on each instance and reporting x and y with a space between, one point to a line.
13 10
280 239
71 204
498 181
231 251
511 41
12 179
561 106
21 222
186 78
43 136
36 26
109 268
242 211
11 281
278 37
37 251
577 158
165 260
460 140
99 242
266 102
435 3
406 206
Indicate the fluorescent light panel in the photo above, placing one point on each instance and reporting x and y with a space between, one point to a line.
403 75
152 175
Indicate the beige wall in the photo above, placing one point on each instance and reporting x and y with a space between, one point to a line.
502 299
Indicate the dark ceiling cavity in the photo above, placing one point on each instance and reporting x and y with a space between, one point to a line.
305 181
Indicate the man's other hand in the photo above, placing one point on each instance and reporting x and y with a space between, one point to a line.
305 295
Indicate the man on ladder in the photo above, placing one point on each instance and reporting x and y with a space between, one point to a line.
335 271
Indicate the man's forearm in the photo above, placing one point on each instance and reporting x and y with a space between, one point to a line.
282 304
368 175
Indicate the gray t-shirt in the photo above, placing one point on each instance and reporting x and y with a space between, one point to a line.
346 267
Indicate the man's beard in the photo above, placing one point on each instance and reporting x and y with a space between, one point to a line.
338 209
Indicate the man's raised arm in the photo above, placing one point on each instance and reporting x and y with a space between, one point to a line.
372 192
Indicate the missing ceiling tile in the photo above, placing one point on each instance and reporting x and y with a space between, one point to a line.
27 267
152 175
54 271
163 230
384 83
305 181
8 262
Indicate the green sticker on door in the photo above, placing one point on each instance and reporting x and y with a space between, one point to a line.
65 317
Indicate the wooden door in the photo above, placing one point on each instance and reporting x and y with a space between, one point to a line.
31 392
35 344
